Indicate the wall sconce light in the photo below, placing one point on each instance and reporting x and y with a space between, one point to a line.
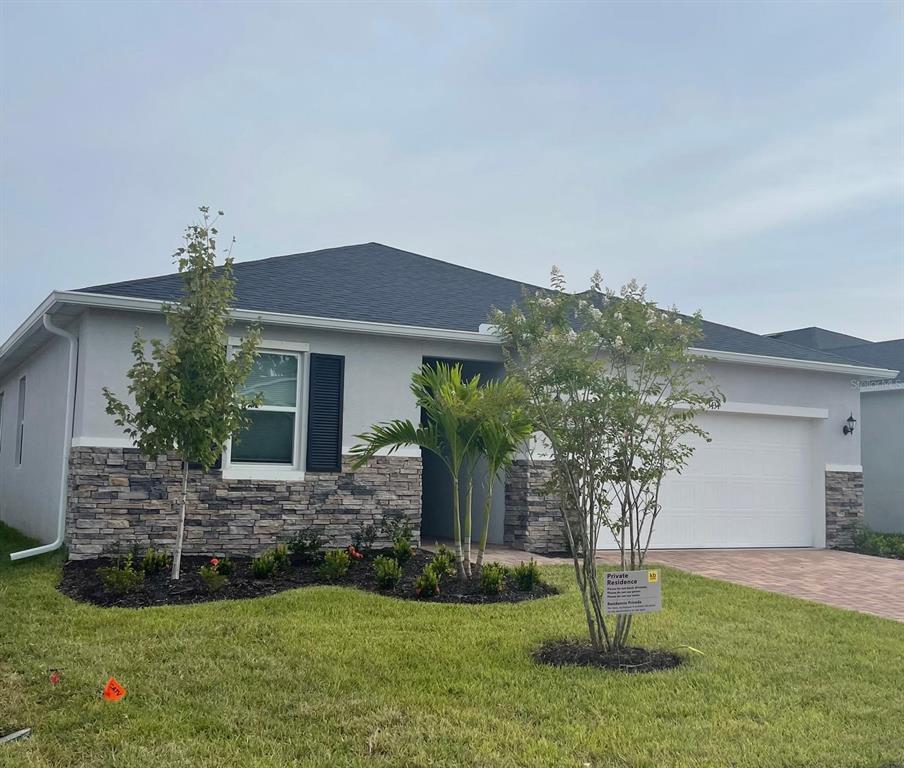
848 428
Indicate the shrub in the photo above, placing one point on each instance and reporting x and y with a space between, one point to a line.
527 575
264 565
306 545
212 577
363 539
443 562
387 571
427 584
154 561
401 549
870 542
492 578
335 564
281 557
122 576
396 526
224 565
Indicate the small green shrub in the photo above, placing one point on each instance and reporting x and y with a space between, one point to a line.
527 575
212 577
427 584
869 542
335 564
492 578
281 557
363 539
122 576
387 571
443 562
396 525
154 561
401 549
307 545
264 565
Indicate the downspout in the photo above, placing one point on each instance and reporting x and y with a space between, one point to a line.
67 445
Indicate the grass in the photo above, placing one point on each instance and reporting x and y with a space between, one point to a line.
334 676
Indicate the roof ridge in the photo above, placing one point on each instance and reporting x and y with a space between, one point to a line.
250 262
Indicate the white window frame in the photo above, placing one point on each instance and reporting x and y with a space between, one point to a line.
20 423
252 470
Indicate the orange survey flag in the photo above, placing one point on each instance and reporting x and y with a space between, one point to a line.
113 691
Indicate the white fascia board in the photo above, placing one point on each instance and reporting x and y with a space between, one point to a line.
801 365
880 386
485 335
279 318
32 323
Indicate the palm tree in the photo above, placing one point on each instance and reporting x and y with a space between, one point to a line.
450 432
504 428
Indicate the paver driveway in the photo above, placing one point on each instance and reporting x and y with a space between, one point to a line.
844 579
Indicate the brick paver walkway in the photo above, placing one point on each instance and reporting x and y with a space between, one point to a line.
844 579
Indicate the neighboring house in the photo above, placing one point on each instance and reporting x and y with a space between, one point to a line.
343 330
881 421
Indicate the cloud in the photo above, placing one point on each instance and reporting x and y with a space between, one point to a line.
838 167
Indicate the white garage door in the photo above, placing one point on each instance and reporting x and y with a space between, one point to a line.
749 487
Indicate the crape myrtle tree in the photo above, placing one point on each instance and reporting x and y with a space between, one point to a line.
463 423
187 394
613 391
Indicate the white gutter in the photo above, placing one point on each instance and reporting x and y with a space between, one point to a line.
801 365
67 442
484 335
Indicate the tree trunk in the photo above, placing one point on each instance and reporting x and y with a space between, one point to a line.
485 533
469 497
177 554
456 527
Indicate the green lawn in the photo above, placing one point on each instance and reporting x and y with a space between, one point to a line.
333 676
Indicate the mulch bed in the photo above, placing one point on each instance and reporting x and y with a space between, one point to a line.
562 653
80 581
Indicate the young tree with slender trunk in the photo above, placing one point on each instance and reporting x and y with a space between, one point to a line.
464 422
505 428
187 393
614 390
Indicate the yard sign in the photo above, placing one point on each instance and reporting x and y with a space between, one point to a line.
633 592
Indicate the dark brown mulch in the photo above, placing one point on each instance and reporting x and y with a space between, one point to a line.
562 653
80 581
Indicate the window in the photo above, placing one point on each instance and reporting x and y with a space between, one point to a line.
272 436
20 422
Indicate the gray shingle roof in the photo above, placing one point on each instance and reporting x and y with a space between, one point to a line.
376 283
879 354
818 338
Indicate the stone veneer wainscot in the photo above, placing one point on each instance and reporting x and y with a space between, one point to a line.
533 520
119 498
844 508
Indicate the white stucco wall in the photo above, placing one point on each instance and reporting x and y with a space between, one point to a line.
30 492
882 428
837 393
377 369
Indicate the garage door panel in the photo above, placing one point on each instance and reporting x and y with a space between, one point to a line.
749 487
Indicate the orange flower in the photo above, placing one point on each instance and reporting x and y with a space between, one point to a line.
214 561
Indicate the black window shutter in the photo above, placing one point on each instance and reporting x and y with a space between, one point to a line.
325 413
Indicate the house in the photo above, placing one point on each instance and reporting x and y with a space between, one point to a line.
881 421
343 329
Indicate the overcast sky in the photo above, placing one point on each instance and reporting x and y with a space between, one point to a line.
742 158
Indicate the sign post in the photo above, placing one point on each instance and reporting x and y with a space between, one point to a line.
633 592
